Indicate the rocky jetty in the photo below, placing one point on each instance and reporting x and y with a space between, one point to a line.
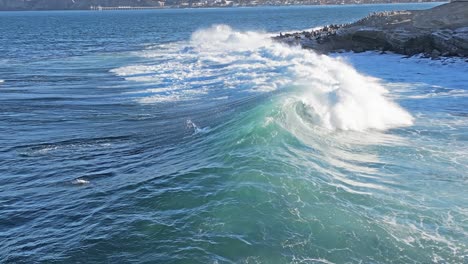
440 31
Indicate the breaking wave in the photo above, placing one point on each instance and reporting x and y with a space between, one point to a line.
329 92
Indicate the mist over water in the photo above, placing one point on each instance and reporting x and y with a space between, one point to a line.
189 136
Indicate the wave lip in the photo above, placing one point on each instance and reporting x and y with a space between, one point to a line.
338 97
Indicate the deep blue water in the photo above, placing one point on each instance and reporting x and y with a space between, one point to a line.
188 136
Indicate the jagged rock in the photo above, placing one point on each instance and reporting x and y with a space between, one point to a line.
443 29
435 54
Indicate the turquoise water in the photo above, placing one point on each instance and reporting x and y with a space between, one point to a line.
188 136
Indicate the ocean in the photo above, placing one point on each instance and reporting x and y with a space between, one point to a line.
189 136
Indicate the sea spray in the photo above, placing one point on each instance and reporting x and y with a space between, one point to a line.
334 94
341 98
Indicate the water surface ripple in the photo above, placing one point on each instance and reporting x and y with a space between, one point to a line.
188 136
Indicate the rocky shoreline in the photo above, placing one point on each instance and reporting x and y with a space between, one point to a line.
440 31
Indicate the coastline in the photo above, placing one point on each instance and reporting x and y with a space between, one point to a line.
140 8
439 31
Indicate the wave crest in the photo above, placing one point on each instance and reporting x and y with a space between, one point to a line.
222 58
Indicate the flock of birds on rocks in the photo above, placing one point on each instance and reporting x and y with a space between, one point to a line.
315 34
387 15
331 30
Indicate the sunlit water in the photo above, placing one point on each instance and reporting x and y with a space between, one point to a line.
188 136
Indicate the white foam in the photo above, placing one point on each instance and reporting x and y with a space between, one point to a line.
80 182
196 130
224 38
338 97
158 98
335 94
441 94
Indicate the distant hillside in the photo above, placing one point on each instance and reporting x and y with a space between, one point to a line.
69 4
8 5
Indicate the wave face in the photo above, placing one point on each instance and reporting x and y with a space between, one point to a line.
332 93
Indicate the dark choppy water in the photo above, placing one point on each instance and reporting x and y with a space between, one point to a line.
187 136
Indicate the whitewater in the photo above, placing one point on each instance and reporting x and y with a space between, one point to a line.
333 94
190 136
